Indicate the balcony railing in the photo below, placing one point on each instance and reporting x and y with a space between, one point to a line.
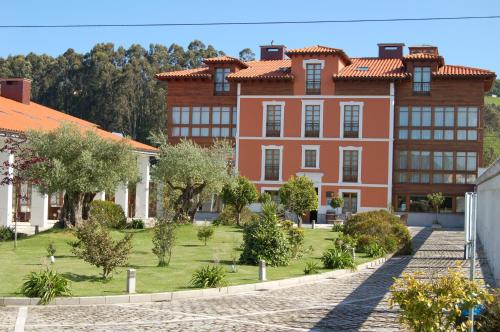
350 178
271 131
272 173
311 130
421 88
351 133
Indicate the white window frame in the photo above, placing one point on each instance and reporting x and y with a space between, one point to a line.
263 163
310 102
312 62
352 191
264 116
310 147
341 163
360 124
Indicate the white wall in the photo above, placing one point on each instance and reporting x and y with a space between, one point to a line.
488 217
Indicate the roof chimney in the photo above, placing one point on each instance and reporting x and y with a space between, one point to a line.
18 89
390 50
272 52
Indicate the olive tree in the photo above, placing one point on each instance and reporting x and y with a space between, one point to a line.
80 164
239 194
299 196
191 172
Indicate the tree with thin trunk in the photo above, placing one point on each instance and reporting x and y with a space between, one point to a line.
299 196
436 200
191 172
239 194
80 164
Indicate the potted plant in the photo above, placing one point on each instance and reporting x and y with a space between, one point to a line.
436 200
337 202
51 250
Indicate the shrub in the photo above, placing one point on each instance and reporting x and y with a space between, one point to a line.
96 246
6 233
338 228
209 277
490 321
381 227
51 249
264 238
436 305
108 213
45 284
163 241
335 258
205 233
364 241
137 224
375 250
337 202
345 242
296 241
311 268
229 216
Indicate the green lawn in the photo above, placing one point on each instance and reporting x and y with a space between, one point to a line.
188 255
491 100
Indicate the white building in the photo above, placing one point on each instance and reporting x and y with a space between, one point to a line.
18 115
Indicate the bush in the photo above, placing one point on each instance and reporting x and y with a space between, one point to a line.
137 224
296 241
209 277
345 242
51 249
45 284
229 216
436 305
335 258
375 250
381 227
311 268
108 213
490 321
265 238
96 246
205 233
338 228
6 233
163 241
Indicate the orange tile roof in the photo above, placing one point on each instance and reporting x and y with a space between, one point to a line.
319 49
201 72
269 69
422 56
453 71
19 118
225 59
372 68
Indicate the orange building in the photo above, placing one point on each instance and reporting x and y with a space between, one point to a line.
346 123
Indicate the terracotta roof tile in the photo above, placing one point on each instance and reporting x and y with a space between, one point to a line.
270 69
201 72
319 49
226 59
451 70
422 56
375 68
19 118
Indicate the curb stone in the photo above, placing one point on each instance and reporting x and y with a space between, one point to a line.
194 294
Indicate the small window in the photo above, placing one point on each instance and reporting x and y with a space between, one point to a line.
351 121
350 202
313 78
422 80
221 82
310 156
273 120
362 68
391 48
350 166
272 50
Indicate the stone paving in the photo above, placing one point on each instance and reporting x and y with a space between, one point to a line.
357 302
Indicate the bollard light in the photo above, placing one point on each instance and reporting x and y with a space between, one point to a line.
131 281
313 224
262 270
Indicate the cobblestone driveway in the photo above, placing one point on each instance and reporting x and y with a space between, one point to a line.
354 303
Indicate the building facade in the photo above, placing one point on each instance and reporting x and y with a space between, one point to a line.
22 202
379 131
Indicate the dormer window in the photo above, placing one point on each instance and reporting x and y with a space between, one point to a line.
221 82
422 80
313 78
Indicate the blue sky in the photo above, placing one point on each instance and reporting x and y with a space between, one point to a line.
472 43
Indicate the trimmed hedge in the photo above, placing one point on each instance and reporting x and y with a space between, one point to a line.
382 228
